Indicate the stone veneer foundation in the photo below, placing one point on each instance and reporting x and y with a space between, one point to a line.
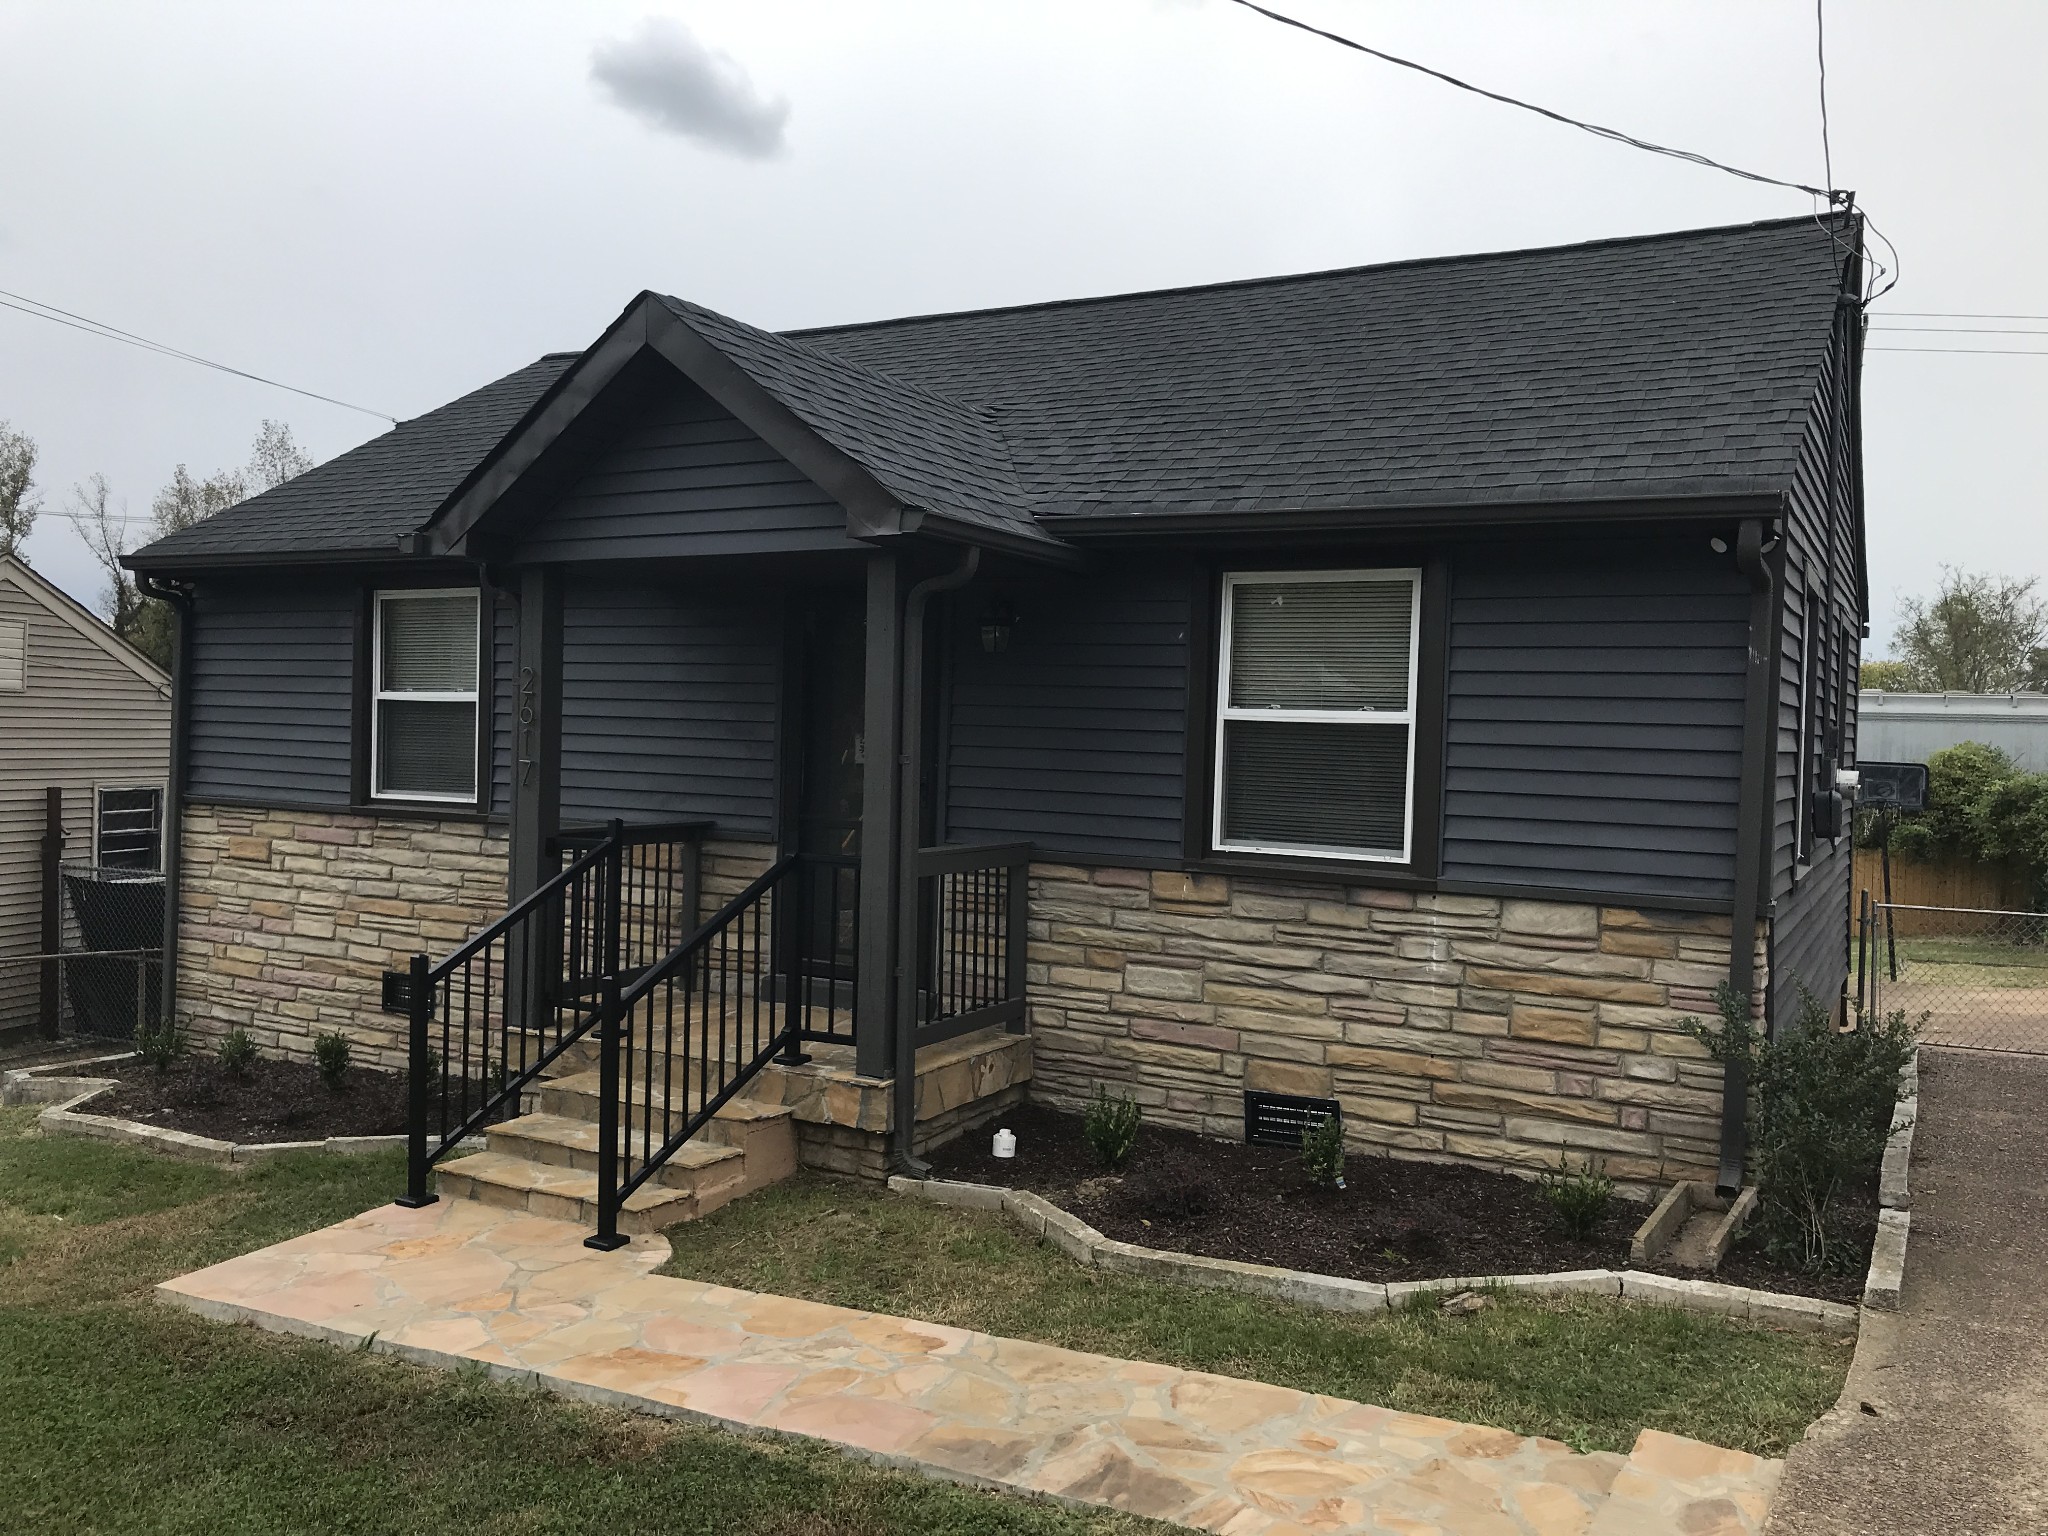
289 919
1516 1034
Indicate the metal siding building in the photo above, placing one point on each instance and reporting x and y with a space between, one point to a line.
1912 727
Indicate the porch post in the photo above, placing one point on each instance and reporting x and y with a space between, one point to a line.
536 808
874 999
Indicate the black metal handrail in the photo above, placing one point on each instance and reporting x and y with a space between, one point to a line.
687 1034
485 1022
973 910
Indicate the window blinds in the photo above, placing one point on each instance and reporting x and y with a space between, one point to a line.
1316 713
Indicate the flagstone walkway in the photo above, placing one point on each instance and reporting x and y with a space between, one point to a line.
459 1281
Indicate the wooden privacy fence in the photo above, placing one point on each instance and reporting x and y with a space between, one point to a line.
1946 883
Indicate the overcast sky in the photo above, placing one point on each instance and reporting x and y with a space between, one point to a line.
392 203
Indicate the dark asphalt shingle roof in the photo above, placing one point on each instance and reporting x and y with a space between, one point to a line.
1665 365
365 498
1662 365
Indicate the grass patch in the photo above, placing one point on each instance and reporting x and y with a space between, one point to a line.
1583 1370
119 1415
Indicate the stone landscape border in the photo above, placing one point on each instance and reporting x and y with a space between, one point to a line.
64 1092
1894 1199
1085 1245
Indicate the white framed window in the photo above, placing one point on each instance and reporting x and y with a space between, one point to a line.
1315 714
13 655
128 826
423 704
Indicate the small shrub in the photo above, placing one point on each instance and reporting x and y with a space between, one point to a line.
333 1053
237 1054
1322 1153
1820 1108
159 1042
1111 1127
1580 1198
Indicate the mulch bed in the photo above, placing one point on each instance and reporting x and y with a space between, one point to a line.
279 1101
1394 1220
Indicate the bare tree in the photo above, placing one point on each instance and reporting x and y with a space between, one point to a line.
143 621
276 458
104 527
19 503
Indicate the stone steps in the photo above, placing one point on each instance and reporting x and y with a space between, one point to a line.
545 1162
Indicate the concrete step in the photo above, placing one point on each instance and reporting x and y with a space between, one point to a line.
741 1122
565 1143
561 1194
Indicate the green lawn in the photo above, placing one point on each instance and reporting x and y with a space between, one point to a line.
120 1415
1587 1371
1962 962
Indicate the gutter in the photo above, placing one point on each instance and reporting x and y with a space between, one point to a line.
910 797
180 600
1752 807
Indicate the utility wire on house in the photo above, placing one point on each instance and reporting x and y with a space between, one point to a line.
77 322
1595 129
1833 196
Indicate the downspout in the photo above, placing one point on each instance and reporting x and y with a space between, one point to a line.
180 601
910 797
1752 806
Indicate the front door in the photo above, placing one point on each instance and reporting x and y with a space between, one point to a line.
828 792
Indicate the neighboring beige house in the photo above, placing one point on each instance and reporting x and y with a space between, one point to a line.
83 712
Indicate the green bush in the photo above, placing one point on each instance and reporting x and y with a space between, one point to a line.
1111 1127
1979 806
1322 1153
1580 1197
1820 1108
333 1053
237 1054
159 1042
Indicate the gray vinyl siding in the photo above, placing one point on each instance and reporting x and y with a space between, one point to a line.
669 703
85 718
1593 720
503 671
1074 737
684 477
1810 935
272 681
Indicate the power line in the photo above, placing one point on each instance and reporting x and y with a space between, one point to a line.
1956 330
100 328
1971 351
1820 45
1945 314
1614 134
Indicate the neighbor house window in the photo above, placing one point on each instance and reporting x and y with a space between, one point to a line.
1315 713
423 726
128 828
13 655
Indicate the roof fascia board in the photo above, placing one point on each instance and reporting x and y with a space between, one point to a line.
871 511
541 427
960 530
649 325
66 611
296 560
1127 526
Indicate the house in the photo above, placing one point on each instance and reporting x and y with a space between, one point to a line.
1399 683
85 733
1912 727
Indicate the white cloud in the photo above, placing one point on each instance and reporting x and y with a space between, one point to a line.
663 74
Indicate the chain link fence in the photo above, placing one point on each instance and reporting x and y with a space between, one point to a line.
107 973
1979 975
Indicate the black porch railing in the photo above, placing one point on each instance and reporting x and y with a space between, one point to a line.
689 1033
973 905
490 1018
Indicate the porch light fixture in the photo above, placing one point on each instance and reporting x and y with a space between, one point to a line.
996 625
